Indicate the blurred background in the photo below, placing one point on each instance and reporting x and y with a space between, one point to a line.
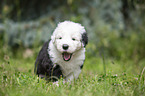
116 28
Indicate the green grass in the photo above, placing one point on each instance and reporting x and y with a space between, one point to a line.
122 78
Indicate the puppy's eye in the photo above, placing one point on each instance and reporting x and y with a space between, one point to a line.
73 39
60 38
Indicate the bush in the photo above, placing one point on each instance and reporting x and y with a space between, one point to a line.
113 28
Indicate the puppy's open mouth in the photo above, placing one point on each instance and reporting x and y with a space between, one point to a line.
66 56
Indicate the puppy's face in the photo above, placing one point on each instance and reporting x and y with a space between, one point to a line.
67 38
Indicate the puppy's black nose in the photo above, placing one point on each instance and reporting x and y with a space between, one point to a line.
65 46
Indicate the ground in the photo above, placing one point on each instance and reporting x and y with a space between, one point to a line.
98 78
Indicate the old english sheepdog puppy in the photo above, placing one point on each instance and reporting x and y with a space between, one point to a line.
64 54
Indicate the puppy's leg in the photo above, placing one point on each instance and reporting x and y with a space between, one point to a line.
73 76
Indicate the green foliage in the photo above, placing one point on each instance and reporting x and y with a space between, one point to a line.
26 34
104 21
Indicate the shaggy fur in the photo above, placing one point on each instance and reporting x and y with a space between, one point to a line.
64 54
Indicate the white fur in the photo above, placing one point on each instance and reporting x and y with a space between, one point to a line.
66 31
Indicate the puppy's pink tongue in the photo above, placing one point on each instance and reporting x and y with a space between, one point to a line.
66 56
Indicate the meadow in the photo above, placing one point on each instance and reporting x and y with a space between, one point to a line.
115 54
99 77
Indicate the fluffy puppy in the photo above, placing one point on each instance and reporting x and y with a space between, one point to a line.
64 54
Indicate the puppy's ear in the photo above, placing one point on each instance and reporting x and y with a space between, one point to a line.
85 39
53 38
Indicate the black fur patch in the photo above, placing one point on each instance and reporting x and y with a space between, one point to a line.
44 65
85 39
81 66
